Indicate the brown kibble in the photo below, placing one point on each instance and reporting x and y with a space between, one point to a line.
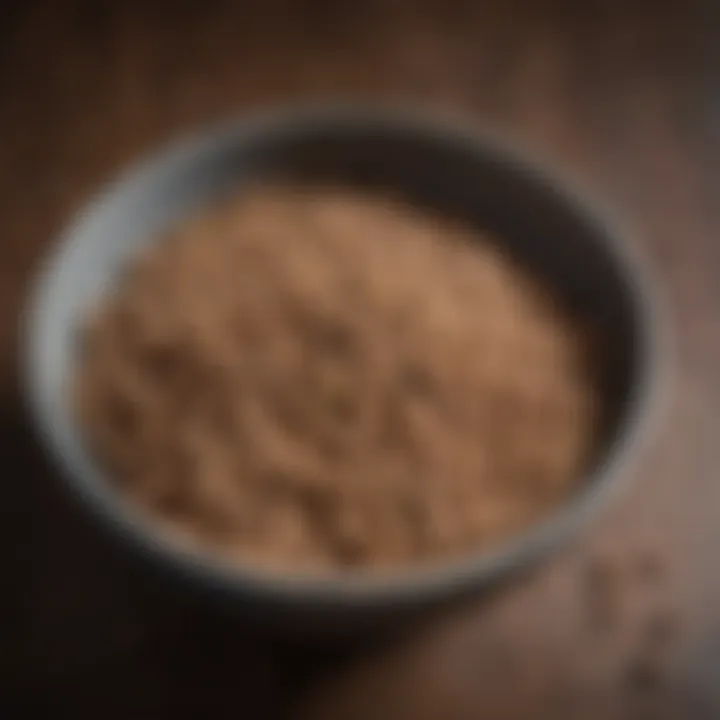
644 672
650 566
319 378
647 668
603 588
661 629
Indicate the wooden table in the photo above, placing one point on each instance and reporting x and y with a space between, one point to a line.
623 97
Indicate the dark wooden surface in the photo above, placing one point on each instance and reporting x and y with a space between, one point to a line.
625 97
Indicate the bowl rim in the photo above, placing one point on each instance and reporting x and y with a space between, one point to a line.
433 579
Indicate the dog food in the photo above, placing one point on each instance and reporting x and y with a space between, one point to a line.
316 378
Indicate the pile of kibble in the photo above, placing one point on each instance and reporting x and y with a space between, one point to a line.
317 378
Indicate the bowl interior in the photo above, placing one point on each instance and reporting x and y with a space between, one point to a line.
476 181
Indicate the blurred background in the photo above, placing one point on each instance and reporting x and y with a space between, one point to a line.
622 96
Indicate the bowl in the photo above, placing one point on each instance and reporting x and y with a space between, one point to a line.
541 220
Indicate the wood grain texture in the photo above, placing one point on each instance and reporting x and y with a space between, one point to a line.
621 96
